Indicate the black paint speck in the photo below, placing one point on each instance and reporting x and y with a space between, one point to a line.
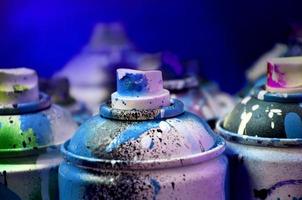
24 144
173 185
5 178
261 194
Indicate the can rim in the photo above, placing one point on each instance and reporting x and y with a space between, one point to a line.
256 141
44 102
97 163
260 93
175 108
10 153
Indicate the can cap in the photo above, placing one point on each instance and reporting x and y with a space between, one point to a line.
139 90
284 75
18 85
108 35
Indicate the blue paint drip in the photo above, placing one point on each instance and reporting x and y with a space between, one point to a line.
151 144
131 133
84 133
7 194
132 85
40 125
293 125
155 186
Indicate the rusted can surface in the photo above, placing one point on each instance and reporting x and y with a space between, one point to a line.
264 136
31 131
143 145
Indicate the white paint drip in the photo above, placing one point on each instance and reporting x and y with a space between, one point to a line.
272 125
261 94
164 126
255 107
162 113
245 100
274 111
270 114
146 142
245 118
113 162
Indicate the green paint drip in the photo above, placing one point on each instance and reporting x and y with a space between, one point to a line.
3 93
12 137
19 88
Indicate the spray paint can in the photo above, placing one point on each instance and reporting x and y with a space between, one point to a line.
143 145
264 136
58 88
31 130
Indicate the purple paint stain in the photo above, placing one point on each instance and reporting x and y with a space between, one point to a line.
273 70
264 193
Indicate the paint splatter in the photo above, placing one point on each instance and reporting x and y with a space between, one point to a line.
12 136
255 107
245 118
132 84
264 193
131 133
261 94
274 111
155 186
19 88
38 123
272 125
245 100
293 125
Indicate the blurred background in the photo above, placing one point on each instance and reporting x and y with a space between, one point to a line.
225 36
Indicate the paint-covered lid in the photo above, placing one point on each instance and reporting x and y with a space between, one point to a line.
28 121
284 75
142 132
18 86
274 110
108 36
139 90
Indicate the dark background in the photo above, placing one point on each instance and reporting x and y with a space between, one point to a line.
227 36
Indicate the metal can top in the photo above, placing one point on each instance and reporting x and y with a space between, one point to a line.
273 110
29 123
284 75
163 136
